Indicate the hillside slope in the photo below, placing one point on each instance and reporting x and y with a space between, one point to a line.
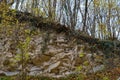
53 50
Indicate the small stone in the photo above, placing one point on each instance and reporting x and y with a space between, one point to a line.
98 68
53 66
11 73
35 68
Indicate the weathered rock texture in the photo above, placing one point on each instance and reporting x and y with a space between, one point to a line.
55 51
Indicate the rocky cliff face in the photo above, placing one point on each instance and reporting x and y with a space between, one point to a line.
51 53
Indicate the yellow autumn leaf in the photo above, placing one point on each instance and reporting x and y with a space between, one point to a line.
79 68
27 31
86 63
81 55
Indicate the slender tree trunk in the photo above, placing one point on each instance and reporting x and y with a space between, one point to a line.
17 4
85 17
94 19
108 19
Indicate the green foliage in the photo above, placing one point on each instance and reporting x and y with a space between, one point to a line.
81 77
103 30
96 3
7 16
79 68
24 56
6 78
7 20
24 47
105 78
107 47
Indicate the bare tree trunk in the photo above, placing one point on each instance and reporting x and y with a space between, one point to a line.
94 19
108 19
49 9
54 9
86 8
17 4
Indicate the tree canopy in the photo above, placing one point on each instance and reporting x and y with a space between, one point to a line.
99 19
